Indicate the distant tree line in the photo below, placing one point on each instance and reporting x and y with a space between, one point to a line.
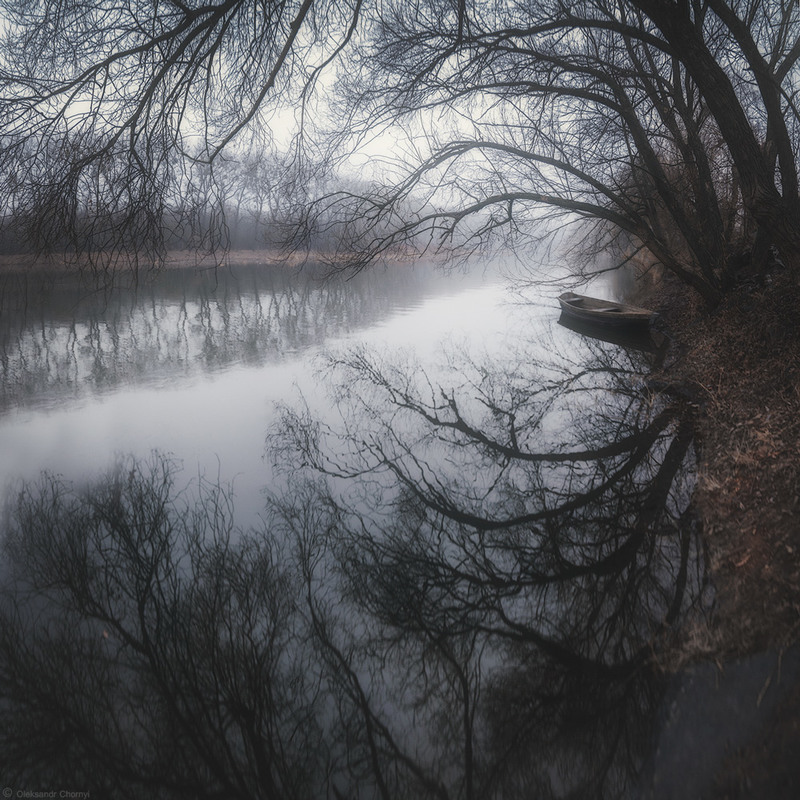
670 123
232 205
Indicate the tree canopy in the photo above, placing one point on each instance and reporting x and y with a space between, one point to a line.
670 126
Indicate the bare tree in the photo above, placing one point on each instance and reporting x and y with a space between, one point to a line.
148 647
103 106
674 123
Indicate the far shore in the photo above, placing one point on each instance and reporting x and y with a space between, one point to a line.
176 259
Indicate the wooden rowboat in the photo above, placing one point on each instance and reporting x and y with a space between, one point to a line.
604 312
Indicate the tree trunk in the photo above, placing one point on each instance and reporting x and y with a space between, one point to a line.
779 217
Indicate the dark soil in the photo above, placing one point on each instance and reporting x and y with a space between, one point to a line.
742 362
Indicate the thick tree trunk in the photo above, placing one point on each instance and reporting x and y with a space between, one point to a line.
778 216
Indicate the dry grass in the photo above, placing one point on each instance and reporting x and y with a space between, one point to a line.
745 360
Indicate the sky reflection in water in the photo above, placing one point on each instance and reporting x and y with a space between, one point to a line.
485 513
193 364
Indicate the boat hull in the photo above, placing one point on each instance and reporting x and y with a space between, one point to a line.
593 311
640 338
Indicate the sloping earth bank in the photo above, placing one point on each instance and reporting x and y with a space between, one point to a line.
730 727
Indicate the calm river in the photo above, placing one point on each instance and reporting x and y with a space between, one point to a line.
455 538
193 364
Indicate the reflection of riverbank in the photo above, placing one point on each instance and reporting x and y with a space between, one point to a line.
728 732
59 340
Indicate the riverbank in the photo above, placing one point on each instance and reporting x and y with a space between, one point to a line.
174 259
742 363
123 264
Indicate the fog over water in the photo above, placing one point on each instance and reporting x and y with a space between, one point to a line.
454 520
192 364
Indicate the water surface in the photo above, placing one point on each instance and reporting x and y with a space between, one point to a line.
192 363
462 534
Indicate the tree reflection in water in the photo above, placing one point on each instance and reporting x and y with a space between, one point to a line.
458 593
146 650
59 339
516 544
